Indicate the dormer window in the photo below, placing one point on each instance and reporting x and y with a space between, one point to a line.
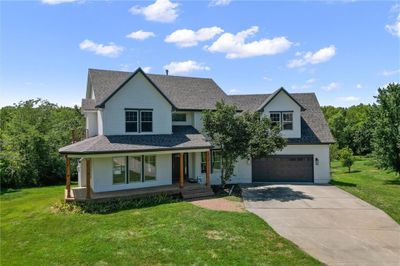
283 119
131 121
137 120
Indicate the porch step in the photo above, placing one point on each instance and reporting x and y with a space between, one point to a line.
197 192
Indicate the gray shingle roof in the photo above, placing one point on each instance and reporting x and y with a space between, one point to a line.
314 128
183 137
88 104
183 92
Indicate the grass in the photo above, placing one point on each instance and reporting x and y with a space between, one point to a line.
378 187
175 233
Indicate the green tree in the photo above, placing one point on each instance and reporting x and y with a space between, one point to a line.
347 158
31 134
386 133
334 152
246 135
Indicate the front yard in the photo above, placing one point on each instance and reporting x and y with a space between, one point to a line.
176 233
378 187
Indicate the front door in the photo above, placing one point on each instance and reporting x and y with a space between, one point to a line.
176 163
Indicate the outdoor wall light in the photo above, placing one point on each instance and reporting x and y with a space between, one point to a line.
316 161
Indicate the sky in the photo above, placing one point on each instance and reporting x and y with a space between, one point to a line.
343 51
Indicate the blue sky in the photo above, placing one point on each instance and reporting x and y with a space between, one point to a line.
342 51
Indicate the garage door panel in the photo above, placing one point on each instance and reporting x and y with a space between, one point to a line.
283 168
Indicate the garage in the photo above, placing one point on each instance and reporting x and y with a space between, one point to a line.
283 168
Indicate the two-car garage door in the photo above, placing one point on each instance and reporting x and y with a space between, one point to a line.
283 168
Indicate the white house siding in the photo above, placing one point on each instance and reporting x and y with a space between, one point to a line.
100 130
282 102
138 93
197 121
322 174
91 123
103 178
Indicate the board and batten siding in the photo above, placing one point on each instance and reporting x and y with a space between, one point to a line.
103 176
282 102
137 93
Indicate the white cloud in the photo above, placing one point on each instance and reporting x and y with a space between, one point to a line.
161 11
140 35
359 86
185 66
331 86
234 45
188 38
125 67
320 56
146 69
233 91
110 50
391 72
349 99
394 28
308 84
219 2
56 2
267 78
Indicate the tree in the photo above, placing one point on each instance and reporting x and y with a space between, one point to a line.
31 134
347 158
386 133
244 135
334 152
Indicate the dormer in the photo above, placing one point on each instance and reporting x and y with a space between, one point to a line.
284 111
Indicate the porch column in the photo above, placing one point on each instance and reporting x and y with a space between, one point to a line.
208 168
87 178
181 170
68 176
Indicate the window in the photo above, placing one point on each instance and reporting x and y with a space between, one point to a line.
135 169
149 171
287 120
203 162
146 121
275 118
217 161
119 166
283 119
179 117
131 121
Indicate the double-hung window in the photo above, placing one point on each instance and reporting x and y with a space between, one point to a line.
287 120
275 118
282 119
131 121
146 121
138 120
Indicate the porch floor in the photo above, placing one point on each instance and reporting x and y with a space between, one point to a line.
79 193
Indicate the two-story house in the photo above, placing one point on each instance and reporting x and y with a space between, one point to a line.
144 131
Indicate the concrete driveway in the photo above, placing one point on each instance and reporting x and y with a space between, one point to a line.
328 223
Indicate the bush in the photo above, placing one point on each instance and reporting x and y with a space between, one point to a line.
333 152
347 158
112 205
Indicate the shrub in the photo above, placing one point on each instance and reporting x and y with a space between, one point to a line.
111 205
347 158
333 152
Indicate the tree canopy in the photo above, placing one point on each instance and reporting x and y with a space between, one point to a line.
31 134
246 135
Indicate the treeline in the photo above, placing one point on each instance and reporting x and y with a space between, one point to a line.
31 134
369 129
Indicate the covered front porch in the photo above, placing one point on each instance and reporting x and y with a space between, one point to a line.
172 176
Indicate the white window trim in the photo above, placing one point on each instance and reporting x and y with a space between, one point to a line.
142 175
137 121
281 122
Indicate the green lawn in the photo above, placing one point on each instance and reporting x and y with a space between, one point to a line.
176 233
378 187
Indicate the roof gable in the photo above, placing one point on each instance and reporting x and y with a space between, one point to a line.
139 70
273 95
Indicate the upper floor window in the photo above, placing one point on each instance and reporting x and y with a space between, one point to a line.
287 120
179 117
283 119
131 121
138 120
146 121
